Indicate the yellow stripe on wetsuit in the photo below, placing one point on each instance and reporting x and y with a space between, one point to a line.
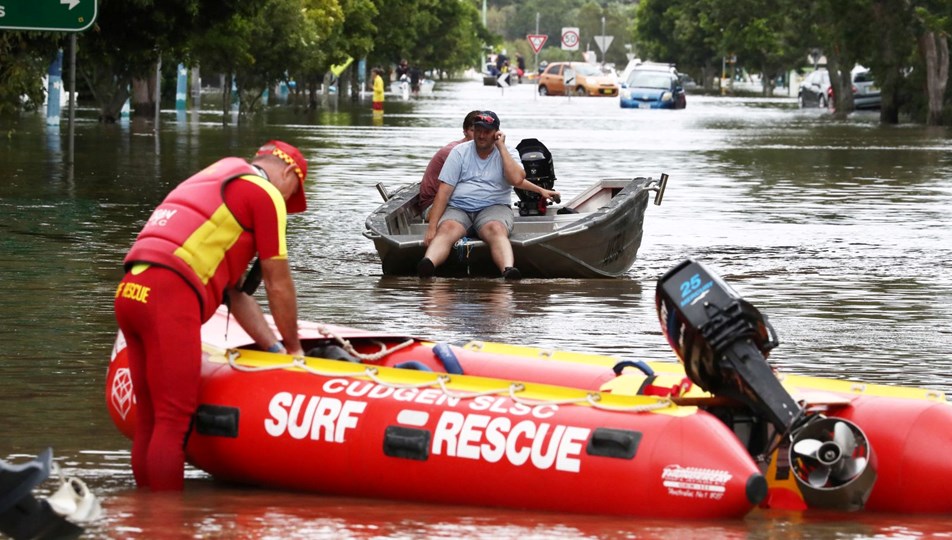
205 249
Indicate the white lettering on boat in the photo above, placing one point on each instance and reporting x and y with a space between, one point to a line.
695 482
369 389
479 436
317 417
504 405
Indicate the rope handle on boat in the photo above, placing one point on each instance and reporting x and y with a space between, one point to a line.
441 381
347 346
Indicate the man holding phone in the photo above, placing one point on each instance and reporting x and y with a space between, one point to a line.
475 196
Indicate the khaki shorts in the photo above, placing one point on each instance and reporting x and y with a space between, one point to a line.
473 221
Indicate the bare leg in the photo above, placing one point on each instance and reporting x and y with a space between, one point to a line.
446 235
496 236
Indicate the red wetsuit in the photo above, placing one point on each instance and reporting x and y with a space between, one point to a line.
197 243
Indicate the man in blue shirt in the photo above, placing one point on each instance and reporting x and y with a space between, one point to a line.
475 189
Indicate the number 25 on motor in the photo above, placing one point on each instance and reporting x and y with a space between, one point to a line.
691 285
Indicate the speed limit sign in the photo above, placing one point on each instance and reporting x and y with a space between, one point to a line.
570 39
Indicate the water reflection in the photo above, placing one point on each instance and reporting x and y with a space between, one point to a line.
469 305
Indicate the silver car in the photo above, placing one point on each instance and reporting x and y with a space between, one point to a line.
865 92
816 91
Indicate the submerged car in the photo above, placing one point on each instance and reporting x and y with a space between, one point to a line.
579 78
652 89
816 90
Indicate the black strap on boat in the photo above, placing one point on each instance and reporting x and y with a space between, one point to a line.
407 443
216 420
616 443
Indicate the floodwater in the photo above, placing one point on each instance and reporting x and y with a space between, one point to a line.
839 231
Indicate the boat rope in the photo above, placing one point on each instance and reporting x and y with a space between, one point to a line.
464 248
347 346
511 390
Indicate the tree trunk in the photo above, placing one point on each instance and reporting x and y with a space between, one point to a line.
934 49
109 93
143 96
842 82
888 78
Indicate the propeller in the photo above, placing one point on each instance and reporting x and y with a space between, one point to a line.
834 461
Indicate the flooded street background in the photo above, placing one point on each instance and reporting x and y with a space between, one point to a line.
840 232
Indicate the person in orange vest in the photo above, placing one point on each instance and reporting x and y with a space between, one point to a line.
189 258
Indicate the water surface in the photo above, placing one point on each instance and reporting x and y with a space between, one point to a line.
838 231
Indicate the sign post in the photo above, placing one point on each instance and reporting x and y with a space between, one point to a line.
48 15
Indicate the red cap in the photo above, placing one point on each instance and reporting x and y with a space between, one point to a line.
292 156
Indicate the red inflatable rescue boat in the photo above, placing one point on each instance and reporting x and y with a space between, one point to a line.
369 430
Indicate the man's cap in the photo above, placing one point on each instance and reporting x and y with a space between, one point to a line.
292 156
487 119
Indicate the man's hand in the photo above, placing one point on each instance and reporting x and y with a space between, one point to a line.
554 196
429 235
500 139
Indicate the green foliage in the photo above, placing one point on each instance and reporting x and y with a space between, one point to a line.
24 58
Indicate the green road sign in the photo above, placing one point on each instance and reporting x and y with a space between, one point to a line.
47 15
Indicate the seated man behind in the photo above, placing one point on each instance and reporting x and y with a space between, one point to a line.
475 190
431 177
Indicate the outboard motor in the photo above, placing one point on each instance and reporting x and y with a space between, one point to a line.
537 161
723 342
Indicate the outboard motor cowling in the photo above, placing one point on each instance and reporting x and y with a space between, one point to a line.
722 340
537 161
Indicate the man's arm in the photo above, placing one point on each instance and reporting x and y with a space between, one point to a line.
282 301
249 315
547 193
511 171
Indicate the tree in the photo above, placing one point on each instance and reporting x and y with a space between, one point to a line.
681 32
260 45
24 58
354 38
758 32
891 54
439 34
128 37
933 25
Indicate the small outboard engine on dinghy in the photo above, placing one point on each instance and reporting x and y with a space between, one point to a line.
723 342
537 161
26 516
